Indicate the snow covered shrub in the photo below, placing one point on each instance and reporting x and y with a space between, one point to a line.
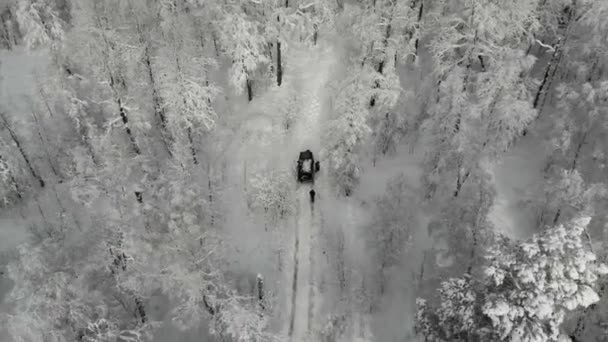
290 111
390 126
242 321
270 194
525 293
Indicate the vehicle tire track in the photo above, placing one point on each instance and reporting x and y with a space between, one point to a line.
311 278
294 286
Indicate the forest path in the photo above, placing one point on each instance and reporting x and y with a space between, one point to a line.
312 67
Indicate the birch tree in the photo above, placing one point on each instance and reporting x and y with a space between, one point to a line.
107 64
242 42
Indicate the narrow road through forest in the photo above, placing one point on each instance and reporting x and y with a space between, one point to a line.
314 70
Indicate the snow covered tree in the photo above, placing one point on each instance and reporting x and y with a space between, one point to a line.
347 131
526 292
242 41
106 67
292 22
187 94
40 23
565 194
10 35
457 306
482 103
65 289
383 31
581 115
389 129
462 225
394 221
270 193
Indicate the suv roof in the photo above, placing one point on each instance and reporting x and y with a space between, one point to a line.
305 155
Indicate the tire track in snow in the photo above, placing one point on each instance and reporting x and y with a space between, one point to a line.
311 280
302 260
294 286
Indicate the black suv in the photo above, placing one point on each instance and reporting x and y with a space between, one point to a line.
307 167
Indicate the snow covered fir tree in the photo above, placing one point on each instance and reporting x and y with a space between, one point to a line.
303 170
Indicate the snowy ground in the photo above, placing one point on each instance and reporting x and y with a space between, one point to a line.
18 70
394 321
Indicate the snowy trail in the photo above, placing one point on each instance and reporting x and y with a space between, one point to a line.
300 319
314 71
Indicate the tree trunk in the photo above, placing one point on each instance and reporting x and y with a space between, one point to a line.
557 215
125 121
553 66
45 145
46 102
249 89
189 129
112 77
420 11
210 197
157 103
279 65
548 71
382 278
460 181
421 272
478 222
387 35
81 129
473 250
578 151
260 294
340 262
22 151
141 310
192 149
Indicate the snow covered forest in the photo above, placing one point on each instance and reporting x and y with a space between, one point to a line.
151 190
